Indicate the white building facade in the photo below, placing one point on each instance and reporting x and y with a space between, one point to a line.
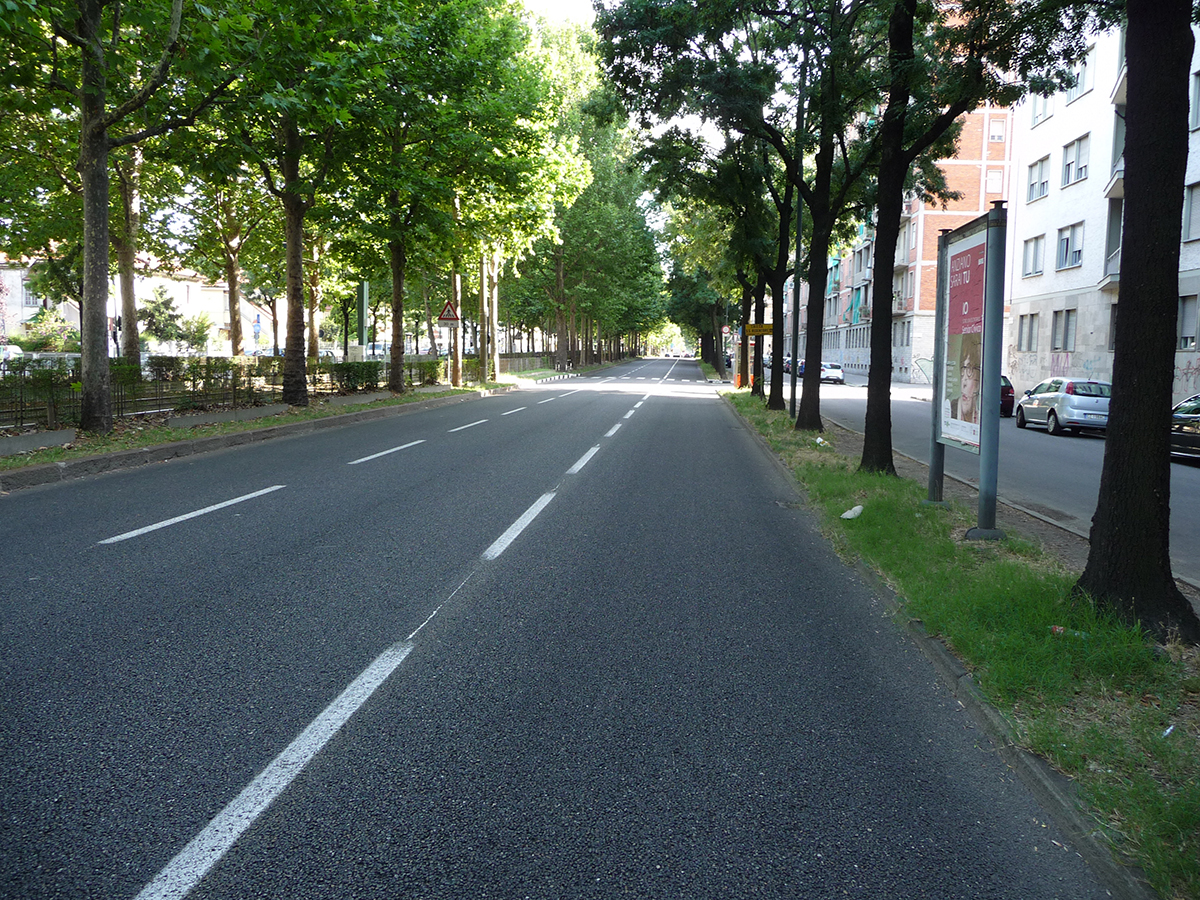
1065 228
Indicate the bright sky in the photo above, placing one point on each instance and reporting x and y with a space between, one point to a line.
563 10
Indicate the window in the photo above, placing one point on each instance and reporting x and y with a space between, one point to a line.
1070 246
996 128
1035 250
1194 118
1062 337
912 235
28 297
910 285
1191 213
1112 327
1041 108
1083 77
1187 323
1075 161
1039 179
995 181
1027 332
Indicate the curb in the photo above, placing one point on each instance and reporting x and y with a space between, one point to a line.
1053 791
52 473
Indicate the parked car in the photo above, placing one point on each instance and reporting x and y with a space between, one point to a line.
832 373
1185 427
1007 396
1063 404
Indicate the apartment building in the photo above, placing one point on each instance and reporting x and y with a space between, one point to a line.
1065 228
980 172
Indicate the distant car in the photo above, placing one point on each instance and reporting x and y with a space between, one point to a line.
1007 396
1185 428
1064 404
832 373
10 351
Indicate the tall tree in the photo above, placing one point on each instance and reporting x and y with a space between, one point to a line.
110 61
940 66
1129 564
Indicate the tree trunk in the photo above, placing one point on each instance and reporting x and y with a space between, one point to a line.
295 382
313 277
482 345
433 341
95 412
233 286
125 242
893 168
1129 565
494 307
398 256
562 345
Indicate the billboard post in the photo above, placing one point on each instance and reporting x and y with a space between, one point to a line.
970 335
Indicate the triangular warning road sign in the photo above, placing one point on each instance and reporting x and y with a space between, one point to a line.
448 313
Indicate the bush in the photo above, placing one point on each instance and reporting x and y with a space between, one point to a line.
355 376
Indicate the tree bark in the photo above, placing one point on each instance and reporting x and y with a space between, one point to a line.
893 168
125 242
1129 566
95 413
398 255
295 382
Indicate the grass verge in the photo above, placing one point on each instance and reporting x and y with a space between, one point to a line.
1118 715
136 432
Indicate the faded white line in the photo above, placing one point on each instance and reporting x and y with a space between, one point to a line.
547 400
517 410
465 427
583 461
518 526
628 414
568 393
385 453
205 850
200 512
613 430
639 403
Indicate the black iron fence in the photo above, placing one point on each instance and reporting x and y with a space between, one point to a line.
44 389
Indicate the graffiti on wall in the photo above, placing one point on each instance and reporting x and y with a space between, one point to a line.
1187 379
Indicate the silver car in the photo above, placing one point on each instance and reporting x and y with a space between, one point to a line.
1064 404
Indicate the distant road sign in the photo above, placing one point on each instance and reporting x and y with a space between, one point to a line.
724 329
754 329
449 316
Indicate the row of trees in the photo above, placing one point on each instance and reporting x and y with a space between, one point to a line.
840 107
299 150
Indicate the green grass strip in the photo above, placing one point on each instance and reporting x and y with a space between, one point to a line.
1095 698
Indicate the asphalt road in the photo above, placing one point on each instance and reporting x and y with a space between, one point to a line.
578 641
1058 478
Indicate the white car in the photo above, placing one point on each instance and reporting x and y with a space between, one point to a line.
1064 404
832 373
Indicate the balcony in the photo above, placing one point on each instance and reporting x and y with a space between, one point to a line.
1119 89
1115 189
1111 281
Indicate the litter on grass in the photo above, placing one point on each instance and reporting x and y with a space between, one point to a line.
853 513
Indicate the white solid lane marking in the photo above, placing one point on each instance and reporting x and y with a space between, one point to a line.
385 453
583 461
194 861
465 427
517 527
613 430
200 512
517 410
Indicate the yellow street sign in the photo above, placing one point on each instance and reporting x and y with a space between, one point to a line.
754 329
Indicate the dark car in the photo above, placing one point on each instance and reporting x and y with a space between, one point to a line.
1007 396
1185 428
